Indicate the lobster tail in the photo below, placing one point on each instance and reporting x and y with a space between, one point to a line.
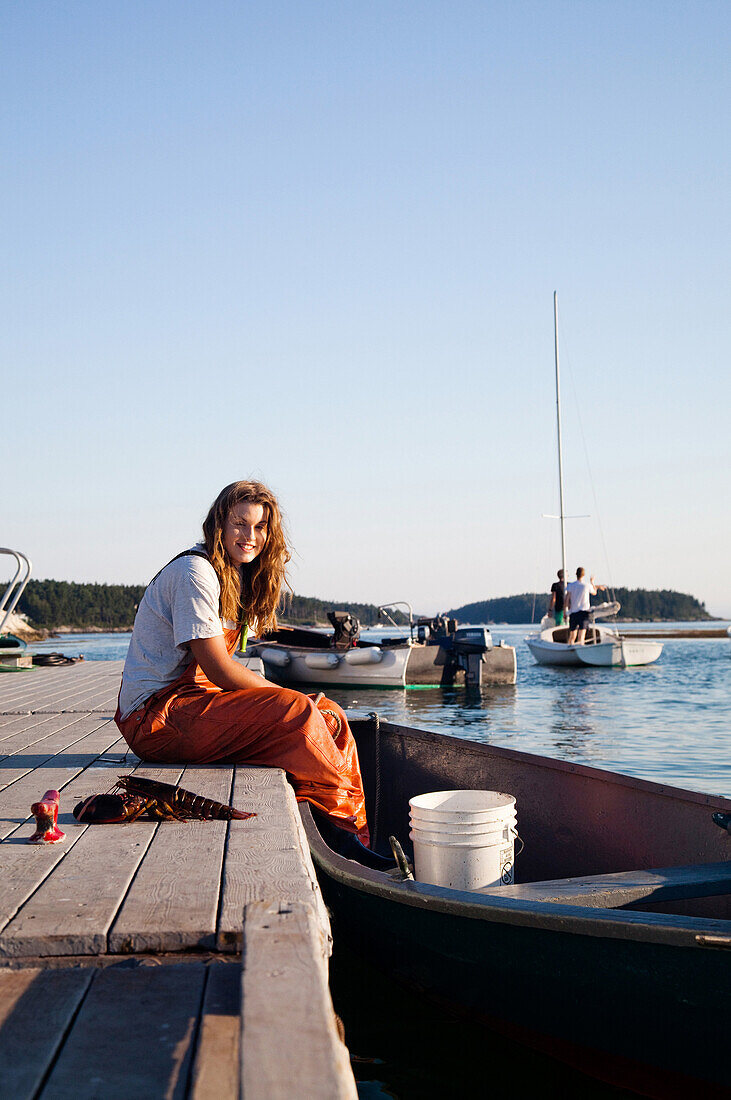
165 801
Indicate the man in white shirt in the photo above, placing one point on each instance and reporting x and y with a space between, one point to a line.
578 602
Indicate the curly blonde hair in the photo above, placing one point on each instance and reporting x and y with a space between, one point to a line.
249 593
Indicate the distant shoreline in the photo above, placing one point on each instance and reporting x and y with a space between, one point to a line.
656 628
669 632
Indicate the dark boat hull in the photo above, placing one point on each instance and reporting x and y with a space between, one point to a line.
640 998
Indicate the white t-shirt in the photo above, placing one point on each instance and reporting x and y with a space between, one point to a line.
579 593
180 604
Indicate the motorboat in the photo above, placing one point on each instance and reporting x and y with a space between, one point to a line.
611 950
434 651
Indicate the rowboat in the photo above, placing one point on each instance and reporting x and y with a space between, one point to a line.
612 949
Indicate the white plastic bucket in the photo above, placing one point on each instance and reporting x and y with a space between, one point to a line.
464 840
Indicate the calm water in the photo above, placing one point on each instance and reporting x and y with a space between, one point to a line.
668 722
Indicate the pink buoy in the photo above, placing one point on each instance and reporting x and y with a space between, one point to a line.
46 815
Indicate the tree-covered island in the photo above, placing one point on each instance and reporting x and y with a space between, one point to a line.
50 605
637 605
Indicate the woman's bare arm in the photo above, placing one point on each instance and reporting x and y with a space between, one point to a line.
222 670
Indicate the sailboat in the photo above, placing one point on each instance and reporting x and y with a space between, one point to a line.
603 646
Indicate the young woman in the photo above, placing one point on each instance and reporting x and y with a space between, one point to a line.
185 699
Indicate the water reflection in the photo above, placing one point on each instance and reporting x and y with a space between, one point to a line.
666 722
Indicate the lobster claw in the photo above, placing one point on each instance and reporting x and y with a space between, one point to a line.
101 809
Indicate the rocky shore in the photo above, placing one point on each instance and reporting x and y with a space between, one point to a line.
18 625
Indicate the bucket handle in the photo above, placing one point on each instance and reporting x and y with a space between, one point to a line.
518 837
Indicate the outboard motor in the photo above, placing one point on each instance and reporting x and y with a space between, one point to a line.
464 649
346 629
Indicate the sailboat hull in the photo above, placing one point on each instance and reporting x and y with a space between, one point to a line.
552 653
550 645
619 654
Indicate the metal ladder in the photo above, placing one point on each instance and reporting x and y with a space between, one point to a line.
15 589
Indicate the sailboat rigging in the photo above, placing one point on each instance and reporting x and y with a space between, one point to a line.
603 645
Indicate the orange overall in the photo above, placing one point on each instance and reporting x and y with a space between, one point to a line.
192 721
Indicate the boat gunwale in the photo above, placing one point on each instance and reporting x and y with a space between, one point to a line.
669 929
476 748
660 928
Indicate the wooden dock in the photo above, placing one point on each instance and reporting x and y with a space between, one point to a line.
153 959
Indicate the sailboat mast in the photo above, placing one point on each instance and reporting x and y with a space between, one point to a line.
562 514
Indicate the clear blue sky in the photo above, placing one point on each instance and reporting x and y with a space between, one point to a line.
317 243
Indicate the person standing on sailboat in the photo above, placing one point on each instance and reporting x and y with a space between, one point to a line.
558 591
578 603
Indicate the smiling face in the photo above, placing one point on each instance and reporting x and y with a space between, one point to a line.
245 532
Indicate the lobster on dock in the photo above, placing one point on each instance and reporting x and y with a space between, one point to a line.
133 797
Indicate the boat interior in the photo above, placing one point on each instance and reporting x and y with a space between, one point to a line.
561 634
313 639
574 821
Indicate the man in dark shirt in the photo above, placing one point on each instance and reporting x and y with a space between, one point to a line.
556 605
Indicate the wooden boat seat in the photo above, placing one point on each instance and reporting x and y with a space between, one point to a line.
611 891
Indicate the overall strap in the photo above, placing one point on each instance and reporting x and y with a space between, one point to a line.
202 554
182 554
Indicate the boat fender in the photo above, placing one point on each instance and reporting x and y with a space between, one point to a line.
277 657
322 660
370 656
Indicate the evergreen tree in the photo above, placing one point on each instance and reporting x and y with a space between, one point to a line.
49 604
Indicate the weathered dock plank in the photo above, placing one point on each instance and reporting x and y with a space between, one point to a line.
173 902
71 911
72 748
10 724
265 860
63 688
134 1035
36 1009
48 732
216 1066
284 964
54 772
24 867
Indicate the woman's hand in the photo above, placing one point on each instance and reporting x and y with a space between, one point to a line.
222 670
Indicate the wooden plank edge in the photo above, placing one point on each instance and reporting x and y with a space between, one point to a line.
286 1006
303 886
215 1073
